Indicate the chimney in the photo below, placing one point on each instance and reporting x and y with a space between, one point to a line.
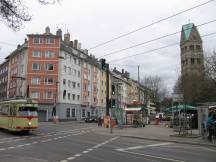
25 40
79 46
122 71
67 38
47 30
71 44
75 44
59 33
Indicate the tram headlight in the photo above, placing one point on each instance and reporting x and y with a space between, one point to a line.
29 123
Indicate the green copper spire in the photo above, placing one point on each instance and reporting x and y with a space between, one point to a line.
187 30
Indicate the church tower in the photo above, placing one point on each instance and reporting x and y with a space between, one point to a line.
192 63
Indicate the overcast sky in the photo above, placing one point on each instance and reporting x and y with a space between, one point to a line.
95 21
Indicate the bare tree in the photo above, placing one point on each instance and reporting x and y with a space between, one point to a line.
210 66
155 84
14 12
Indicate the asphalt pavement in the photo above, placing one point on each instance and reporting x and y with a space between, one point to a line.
80 142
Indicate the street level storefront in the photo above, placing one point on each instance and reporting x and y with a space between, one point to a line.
183 117
135 113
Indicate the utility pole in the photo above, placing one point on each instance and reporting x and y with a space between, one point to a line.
107 90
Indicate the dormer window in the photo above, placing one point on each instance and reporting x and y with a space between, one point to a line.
37 40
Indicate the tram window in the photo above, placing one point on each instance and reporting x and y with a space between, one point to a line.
28 111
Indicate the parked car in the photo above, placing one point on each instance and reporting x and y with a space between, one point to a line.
91 119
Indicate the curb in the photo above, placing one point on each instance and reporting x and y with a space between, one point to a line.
167 140
159 139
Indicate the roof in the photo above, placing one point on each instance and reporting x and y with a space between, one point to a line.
187 30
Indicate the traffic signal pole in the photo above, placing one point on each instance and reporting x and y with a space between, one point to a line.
107 90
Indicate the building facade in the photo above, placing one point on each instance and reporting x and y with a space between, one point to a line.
64 79
4 80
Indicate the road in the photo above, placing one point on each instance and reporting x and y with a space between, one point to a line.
78 142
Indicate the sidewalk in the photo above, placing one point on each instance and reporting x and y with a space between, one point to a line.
156 133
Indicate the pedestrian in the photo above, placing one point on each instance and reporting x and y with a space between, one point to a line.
210 126
99 121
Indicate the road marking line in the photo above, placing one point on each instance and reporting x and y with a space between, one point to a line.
90 149
12 147
146 146
77 155
70 158
152 156
2 149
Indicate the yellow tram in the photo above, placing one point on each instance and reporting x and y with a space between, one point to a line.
19 115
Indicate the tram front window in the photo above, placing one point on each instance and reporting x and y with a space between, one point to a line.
28 111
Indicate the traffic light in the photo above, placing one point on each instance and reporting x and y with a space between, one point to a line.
113 89
103 64
113 103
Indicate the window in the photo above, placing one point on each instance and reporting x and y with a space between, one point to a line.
78 97
35 80
35 95
79 63
73 113
198 47
83 113
64 81
35 66
78 73
68 112
37 40
49 54
65 68
64 94
191 47
22 68
75 61
92 111
50 40
48 95
49 67
49 81
36 54
78 85
85 76
198 61
74 97
192 60
75 72
74 84
69 96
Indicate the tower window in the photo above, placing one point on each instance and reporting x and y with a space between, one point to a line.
191 47
198 61
192 60
198 47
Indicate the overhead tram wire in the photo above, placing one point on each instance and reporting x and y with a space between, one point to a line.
156 22
156 49
155 39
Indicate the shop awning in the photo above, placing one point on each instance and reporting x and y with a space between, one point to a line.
135 108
